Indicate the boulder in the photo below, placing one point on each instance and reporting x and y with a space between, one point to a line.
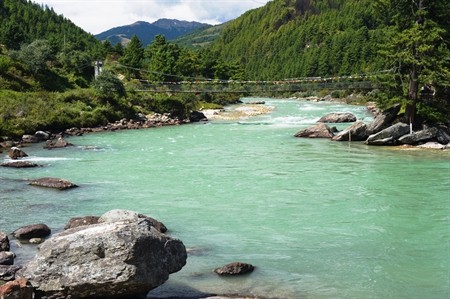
236 268
419 137
8 273
19 164
80 221
17 289
383 120
41 135
16 153
4 242
197 116
55 183
443 135
320 130
389 135
356 132
6 258
341 117
32 231
127 257
58 143
29 139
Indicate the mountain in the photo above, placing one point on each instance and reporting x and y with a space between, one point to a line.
301 38
146 32
200 38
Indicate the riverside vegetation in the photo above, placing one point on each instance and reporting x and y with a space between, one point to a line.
46 61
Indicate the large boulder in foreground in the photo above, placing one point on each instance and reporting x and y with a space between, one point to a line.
356 132
338 117
320 130
123 258
389 136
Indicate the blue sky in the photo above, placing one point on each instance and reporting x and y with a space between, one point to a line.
96 16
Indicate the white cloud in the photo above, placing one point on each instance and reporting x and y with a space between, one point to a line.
96 16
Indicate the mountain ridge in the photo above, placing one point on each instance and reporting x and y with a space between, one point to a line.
146 32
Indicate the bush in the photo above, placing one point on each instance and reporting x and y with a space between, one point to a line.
108 86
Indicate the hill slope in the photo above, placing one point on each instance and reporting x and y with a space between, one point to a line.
299 38
146 32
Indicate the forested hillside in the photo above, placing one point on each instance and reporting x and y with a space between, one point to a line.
299 38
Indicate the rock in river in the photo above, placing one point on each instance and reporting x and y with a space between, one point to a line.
127 257
338 117
16 153
20 164
53 183
32 231
236 268
320 130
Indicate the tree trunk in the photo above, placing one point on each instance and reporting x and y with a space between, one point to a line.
413 94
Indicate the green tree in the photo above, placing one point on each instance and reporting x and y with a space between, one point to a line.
35 55
133 55
108 86
419 46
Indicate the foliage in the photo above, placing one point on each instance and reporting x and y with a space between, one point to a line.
35 55
108 86
418 46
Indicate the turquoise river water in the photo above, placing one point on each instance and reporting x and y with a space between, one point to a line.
318 219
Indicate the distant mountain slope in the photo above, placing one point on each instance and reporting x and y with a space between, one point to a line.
200 38
299 38
146 32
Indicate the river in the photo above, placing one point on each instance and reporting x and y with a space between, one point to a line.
318 219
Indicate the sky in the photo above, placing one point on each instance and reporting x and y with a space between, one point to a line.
96 16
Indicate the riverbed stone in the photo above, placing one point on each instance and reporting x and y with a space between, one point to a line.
235 268
57 143
419 137
17 289
54 183
19 164
389 136
356 132
16 153
127 257
4 242
383 120
8 273
7 258
338 117
319 130
197 116
32 231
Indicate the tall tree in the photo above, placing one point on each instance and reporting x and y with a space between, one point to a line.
419 45
133 55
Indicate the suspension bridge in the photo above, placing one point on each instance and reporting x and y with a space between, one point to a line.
202 85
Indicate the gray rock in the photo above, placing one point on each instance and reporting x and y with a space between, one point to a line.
8 273
32 231
4 242
320 130
55 183
443 135
118 215
419 137
41 135
236 268
29 139
356 132
388 136
19 164
58 143
341 117
6 258
197 116
383 120
105 260
16 153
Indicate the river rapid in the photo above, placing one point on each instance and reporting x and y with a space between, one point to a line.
318 219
